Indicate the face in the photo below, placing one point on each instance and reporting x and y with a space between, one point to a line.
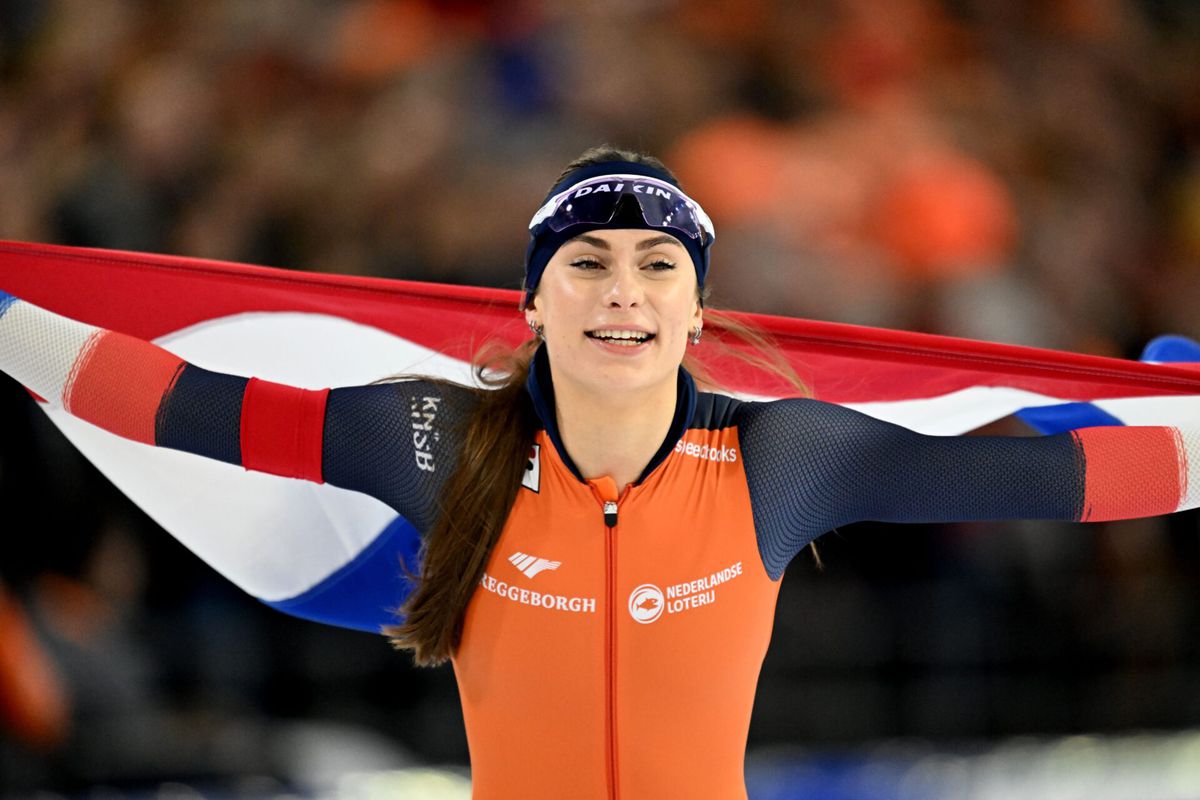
618 307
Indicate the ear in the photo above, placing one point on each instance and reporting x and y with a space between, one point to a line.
531 310
697 314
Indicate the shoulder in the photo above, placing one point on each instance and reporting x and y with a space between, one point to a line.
715 411
788 411
788 418
778 423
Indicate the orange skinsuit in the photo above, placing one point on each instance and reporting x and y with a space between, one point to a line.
646 688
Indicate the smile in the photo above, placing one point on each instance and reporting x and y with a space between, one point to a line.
623 338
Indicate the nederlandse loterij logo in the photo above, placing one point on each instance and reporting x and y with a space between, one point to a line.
532 565
646 603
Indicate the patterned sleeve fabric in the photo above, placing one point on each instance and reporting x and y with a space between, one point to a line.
394 441
397 442
812 466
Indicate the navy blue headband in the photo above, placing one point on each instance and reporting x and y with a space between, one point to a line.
544 242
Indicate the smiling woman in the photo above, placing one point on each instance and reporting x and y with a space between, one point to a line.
602 539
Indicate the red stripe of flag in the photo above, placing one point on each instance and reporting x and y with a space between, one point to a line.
152 295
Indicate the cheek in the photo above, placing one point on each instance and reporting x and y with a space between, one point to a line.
683 308
557 302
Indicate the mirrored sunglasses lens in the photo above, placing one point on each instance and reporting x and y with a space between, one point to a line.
676 215
600 207
590 209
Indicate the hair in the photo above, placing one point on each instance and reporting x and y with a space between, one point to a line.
497 439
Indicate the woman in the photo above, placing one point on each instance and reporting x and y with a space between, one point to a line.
603 543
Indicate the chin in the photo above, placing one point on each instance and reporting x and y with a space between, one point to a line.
630 377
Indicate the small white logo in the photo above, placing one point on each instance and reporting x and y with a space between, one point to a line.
533 469
707 452
532 565
646 603
424 412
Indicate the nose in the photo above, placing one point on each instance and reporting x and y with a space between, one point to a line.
624 290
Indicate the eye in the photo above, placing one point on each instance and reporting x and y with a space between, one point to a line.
586 263
660 265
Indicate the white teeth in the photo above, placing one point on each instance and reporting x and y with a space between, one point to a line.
637 336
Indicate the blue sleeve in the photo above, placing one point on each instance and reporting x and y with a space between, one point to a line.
396 441
812 466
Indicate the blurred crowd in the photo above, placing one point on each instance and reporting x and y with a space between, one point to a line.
1022 171
1012 170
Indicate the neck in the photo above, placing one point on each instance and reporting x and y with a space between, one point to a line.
620 437
616 435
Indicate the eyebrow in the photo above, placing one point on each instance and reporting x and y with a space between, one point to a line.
645 244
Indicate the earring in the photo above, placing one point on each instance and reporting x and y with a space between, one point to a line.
538 330
696 331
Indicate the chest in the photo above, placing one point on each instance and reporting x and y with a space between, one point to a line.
679 560
691 518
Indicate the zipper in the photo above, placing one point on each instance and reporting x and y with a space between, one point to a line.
610 522
606 491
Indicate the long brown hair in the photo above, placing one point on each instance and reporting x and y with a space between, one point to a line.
495 448
496 443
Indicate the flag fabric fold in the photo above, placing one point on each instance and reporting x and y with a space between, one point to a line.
328 554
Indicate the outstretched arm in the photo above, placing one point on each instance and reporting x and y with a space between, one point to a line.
813 466
377 439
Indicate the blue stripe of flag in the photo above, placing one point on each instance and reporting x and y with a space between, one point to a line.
1064 417
6 301
1172 348
365 593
